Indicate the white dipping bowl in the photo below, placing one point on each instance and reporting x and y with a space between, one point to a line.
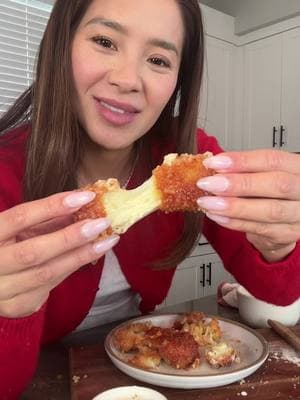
256 312
130 393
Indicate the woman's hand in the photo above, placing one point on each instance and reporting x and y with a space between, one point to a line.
256 192
40 247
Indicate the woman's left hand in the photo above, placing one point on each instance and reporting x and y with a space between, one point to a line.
256 192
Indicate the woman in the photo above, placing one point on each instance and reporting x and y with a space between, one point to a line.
109 74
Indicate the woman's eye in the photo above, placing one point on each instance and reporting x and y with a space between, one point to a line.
160 62
104 42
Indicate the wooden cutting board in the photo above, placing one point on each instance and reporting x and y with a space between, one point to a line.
92 372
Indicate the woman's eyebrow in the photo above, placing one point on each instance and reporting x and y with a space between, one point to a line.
164 45
122 29
109 23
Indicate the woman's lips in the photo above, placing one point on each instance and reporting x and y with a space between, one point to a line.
115 112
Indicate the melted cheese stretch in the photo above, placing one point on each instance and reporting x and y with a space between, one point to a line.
172 187
125 207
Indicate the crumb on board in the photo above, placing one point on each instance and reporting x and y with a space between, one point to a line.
75 378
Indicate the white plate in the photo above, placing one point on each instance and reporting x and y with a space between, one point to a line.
250 345
130 393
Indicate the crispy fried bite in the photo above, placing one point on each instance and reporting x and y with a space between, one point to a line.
156 335
203 331
221 355
146 358
189 318
172 187
176 181
180 350
131 336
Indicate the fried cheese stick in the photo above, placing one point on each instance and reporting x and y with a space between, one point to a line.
172 187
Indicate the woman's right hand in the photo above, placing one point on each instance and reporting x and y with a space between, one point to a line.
40 246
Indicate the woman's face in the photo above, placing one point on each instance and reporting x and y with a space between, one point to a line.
125 59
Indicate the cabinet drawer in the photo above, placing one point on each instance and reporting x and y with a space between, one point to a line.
202 247
190 262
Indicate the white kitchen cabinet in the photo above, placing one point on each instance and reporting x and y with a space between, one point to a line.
197 276
290 110
262 93
216 103
272 87
185 284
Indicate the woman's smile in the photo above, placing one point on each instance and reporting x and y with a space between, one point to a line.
116 113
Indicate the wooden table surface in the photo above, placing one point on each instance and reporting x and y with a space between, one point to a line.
53 378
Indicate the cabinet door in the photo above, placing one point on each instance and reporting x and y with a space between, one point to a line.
262 92
196 277
214 274
290 117
185 284
216 110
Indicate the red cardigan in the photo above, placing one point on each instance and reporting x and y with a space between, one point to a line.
20 339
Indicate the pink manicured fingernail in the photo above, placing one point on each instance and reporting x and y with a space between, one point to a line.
218 218
218 162
103 245
214 184
212 203
92 229
78 199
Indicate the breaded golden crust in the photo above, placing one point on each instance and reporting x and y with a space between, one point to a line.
189 318
177 182
155 336
180 350
130 337
146 359
95 209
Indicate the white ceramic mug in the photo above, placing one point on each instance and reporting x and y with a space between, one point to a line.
256 312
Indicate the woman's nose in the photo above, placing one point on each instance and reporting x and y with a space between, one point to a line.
126 76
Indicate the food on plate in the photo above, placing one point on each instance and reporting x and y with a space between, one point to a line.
172 187
146 358
131 336
191 337
180 350
221 355
205 332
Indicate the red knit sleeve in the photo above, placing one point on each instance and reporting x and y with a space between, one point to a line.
19 349
277 283
207 143
19 338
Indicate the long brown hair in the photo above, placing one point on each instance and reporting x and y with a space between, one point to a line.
55 139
